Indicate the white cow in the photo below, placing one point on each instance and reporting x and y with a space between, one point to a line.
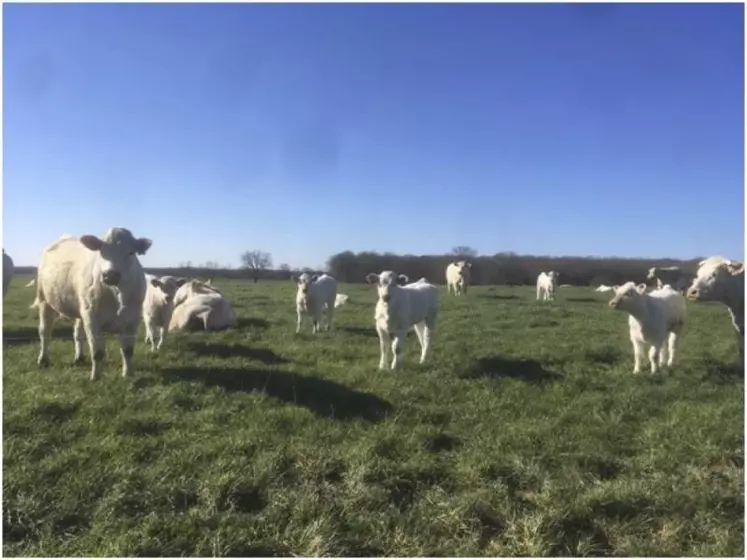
313 295
204 311
30 283
547 282
191 288
401 306
341 299
677 278
8 270
604 288
653 317
457 277
722 280
158 307
100 284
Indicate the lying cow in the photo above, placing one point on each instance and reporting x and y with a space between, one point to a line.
198 306
100 284
722 280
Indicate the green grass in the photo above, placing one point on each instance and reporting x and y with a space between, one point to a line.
526 434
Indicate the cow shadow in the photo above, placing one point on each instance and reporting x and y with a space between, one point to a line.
323 397
18 336
497 367
498 296
252 322
214 349
361 331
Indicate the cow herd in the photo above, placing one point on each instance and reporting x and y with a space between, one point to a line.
100 284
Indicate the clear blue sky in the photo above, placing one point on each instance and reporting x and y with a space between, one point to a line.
306 130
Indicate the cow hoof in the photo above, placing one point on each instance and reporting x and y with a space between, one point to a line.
79 361
43 362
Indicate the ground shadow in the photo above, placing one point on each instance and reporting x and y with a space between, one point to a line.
508 368
219 350
498 296
243 322
364 331
584 300
30 335
321 396
724 371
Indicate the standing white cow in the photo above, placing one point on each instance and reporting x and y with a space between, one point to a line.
158 307
100 284
313 295
8 270
547 282
401 306
457 277
653 317
722 280
677 278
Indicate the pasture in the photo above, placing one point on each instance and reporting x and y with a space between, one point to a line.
526 433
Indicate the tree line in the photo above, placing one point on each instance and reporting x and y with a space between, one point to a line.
502 268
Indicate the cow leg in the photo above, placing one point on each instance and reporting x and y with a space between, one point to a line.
330 314
653 354
79 336
47 317
298 322
127 348
96 344
384 343
637 355
398 346
163 331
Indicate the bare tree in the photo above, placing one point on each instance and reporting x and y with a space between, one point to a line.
285 267
256 261
211 264
464 251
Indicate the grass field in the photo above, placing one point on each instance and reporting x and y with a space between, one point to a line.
526 434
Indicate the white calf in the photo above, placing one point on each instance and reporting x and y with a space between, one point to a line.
652 318
457 277
158 308
547 282
101 285
341 299
722 280
313 295
7 272
401 306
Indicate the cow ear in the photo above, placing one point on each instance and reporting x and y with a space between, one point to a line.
402 279
735 267
641 288
142 245
91 242
372 277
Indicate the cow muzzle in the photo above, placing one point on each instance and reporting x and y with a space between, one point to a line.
613 303
692 293
111 277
